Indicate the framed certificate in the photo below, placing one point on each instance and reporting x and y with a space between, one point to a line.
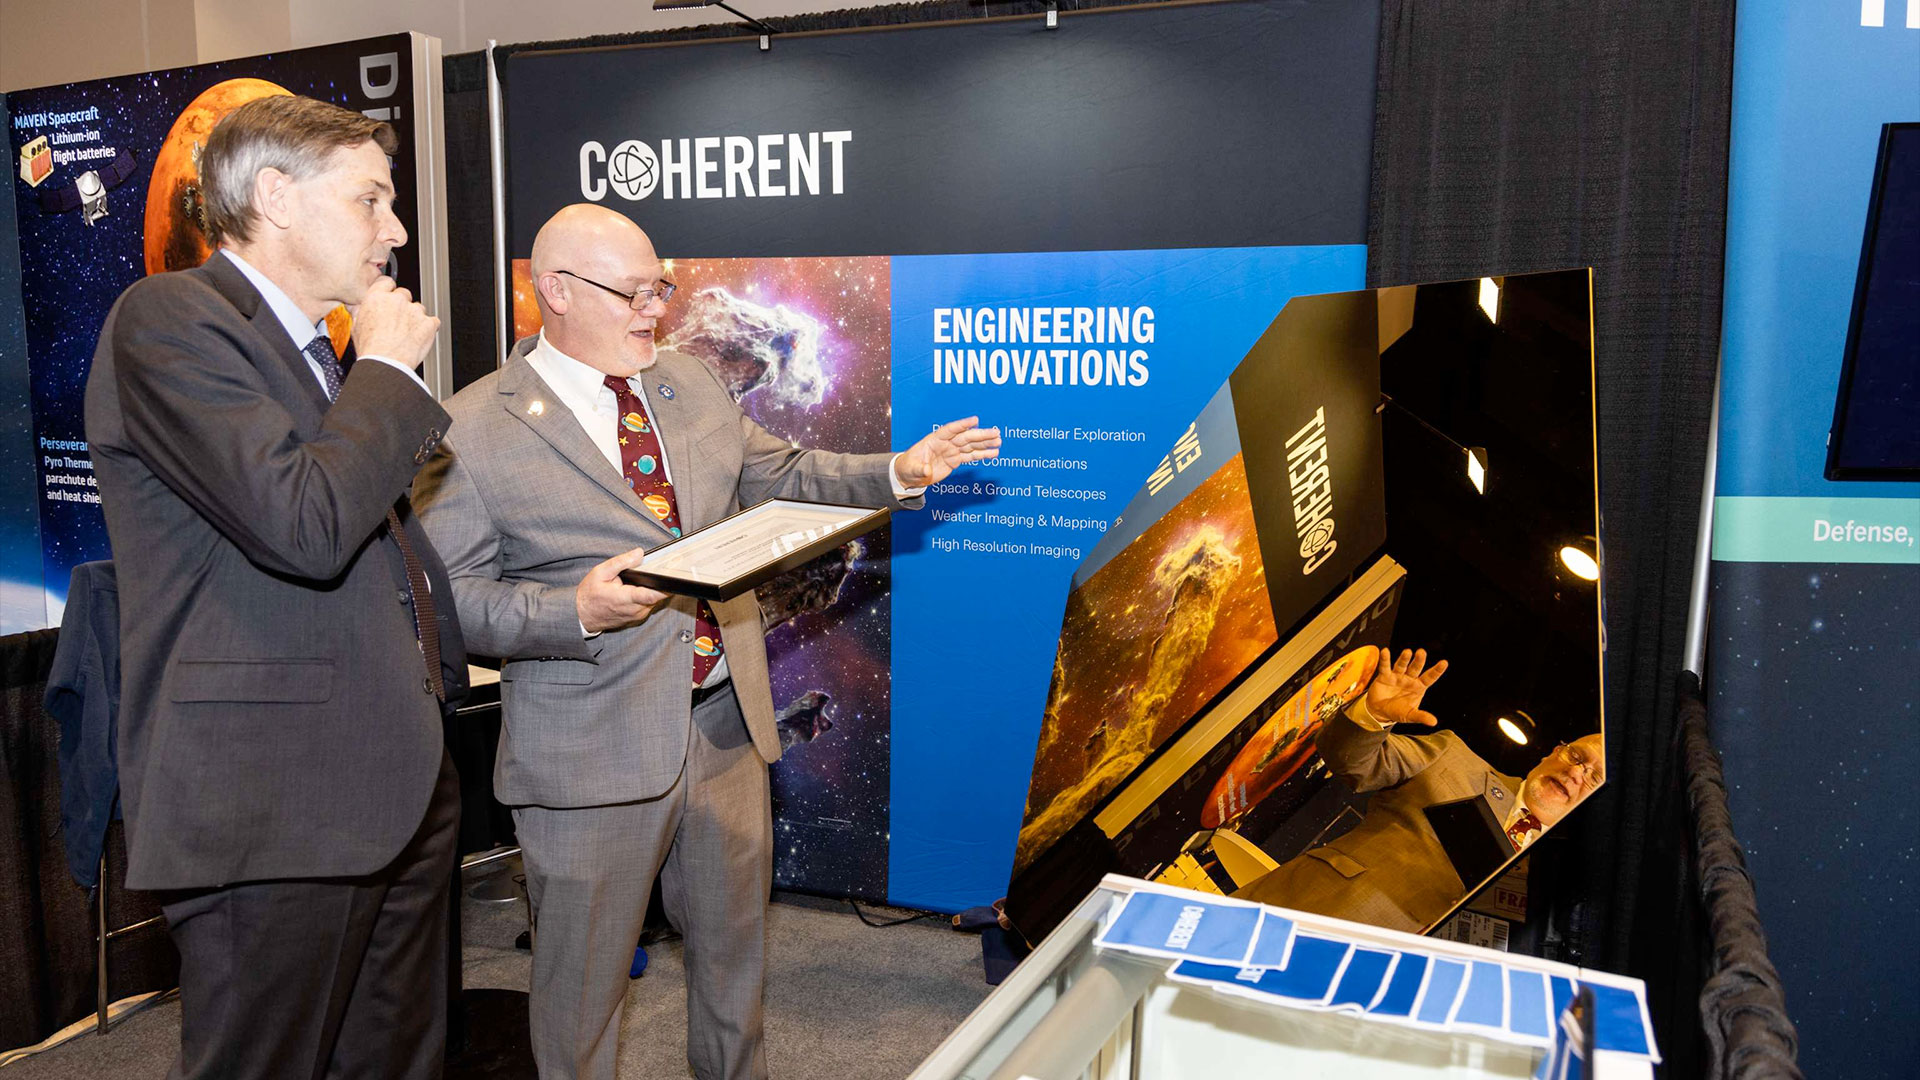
763 541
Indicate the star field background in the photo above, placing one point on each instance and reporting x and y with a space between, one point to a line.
1814 671
830 796
23 603
72 272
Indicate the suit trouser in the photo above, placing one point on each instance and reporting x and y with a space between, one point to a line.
589 873
322 977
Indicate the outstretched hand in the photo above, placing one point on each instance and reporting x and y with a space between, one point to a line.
1396 691
950 446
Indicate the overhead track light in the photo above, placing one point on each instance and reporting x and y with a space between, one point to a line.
765 31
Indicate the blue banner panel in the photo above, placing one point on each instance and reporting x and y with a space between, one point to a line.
999 542
1812 86
1814 661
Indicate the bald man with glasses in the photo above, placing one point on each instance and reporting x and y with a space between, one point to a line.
638 725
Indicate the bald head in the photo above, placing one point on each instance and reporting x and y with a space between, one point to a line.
584 258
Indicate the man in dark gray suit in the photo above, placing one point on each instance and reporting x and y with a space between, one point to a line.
284 664
638 725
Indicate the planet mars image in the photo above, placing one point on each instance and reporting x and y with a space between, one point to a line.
176 240
1286 742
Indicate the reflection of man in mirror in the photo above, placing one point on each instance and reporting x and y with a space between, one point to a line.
1394 869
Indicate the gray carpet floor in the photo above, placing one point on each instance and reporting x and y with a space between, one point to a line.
844 1000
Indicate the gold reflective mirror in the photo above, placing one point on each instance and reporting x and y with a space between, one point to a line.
1341 653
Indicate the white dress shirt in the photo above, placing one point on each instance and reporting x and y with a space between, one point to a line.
298 328
583 390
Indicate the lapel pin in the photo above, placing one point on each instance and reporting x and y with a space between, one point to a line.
536 408
666 391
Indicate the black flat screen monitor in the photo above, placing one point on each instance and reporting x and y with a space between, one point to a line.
1876 417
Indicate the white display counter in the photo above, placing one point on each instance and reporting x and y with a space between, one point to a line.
1144 980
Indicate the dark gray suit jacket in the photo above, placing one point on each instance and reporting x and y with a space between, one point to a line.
275 720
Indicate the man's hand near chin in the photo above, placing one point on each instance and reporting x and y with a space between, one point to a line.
389 322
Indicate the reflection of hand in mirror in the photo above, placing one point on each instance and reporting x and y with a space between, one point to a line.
1564 777
1395 694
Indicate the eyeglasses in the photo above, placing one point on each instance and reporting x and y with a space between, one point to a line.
1587 766
662 291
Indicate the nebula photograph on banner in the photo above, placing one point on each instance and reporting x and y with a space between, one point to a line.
805 346
1147 640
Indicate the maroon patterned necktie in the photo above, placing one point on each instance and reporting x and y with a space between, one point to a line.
643 464
1524 824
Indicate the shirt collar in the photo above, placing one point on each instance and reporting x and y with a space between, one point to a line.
289 313
566 375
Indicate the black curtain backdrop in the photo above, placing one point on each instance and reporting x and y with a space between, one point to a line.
463 82
1514 137
46 919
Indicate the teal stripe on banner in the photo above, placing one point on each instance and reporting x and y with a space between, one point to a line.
1783 529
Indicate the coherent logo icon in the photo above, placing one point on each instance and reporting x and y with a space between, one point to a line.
776 165
1310 482
633 169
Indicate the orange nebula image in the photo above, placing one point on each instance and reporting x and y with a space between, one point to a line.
1146 641
526 309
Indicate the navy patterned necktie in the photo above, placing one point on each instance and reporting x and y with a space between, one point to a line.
320 351
426 624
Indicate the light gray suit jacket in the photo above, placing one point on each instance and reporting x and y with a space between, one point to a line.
521 504
1390 870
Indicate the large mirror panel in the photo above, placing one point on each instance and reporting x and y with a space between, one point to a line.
1342 651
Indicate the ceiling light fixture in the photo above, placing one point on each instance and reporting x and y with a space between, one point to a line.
1579 563
1518 727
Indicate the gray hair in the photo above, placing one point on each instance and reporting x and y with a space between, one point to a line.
292 134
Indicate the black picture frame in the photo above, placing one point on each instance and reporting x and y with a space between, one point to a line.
873 519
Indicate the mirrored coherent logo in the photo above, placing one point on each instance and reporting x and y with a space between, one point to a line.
1310 483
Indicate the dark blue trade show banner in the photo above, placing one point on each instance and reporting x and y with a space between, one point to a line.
1075 234
139 137
1815 652
23 605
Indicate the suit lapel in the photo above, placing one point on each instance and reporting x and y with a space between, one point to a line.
246 299
673 423
530 400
